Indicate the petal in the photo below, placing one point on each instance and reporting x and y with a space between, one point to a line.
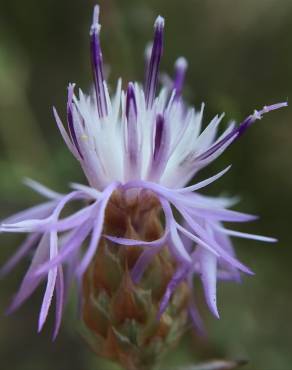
203 183
39 211
73 243
177 278
208 264
41 189
65 136
31 282
97 229
142 263
21 252
52 276
59 301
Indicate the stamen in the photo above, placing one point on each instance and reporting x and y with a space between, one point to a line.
97 64
152 74
131 105
180 66
132 132
161 149
158 134
70 119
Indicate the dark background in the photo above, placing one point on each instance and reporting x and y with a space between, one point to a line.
240 58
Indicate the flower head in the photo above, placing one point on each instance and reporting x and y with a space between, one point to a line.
138 150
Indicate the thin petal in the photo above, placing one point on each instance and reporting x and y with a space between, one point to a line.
30 282
208 263
41 189
239 234
73 243
52 276
177 278
97 229
59 301
142 263
21 252
65 136
203 183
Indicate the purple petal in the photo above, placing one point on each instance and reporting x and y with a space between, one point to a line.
74 220
203 183
208 264
91 192
204 235
21 252
72 244
25 226
59 301
193 309
133 242
246 235
224 241
142 263
30 282
52 276
175 243
40 211
177 278
46 224
72 262
41 189
97 229
207 211
197 240
198 208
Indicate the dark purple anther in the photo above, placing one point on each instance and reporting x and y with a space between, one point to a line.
132 132
97 64
160 122
131 105
70 118
153 66
160 148
180 72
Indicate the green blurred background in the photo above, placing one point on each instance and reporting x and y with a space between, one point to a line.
240 58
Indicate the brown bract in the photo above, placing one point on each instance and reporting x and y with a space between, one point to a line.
121 317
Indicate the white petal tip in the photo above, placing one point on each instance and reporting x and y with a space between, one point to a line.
272 240
213 308
41 323
96 11
181 63
159 23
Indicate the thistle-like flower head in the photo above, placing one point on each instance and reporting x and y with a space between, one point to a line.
139 149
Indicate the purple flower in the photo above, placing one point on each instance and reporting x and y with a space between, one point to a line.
134 142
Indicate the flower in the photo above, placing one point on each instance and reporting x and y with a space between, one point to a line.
138 152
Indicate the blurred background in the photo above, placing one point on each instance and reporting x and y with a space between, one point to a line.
240 58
